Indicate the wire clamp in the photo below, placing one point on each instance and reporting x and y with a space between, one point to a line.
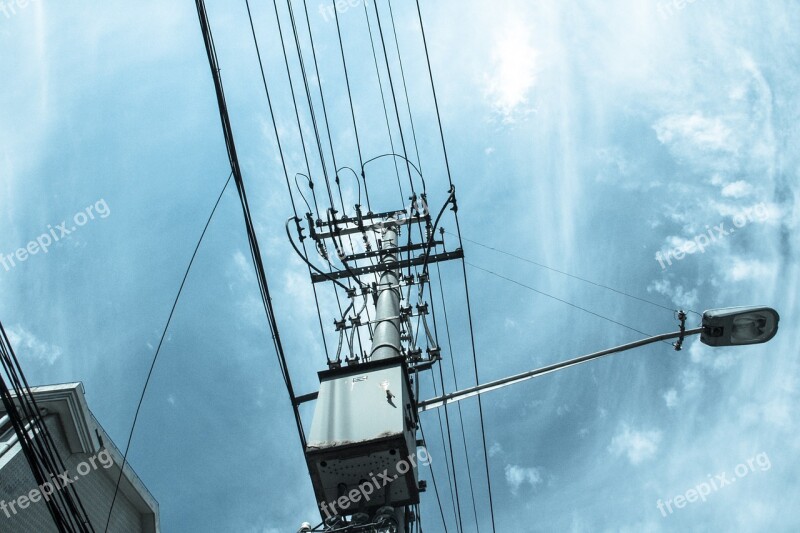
679 343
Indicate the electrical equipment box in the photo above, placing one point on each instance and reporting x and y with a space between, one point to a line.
363 431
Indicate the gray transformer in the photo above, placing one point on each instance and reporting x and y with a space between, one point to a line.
363 433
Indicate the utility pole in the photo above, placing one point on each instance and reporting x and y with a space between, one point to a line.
362 447
386 339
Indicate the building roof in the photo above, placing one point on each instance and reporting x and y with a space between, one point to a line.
84 434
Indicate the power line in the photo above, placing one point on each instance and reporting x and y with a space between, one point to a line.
37 444
383 99
433 478
598 315
394 97
405 91
510 254
302 138
352 108
285 170
455 384
309 100
252 238
158 349
463 265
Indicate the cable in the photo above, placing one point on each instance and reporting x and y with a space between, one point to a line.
383 98
158 349
567 274
405 91
44 459
314 123
452 455
255 252
309 263
358 183
394 96
455 384
283 162
407 160
433 478
352 107
560 300
463 262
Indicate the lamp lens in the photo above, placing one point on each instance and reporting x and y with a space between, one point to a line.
749 328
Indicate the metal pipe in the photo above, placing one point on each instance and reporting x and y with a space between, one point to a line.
457 396
386 338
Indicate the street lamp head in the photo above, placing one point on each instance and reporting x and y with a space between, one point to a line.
736 326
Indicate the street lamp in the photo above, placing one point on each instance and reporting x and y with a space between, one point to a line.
732 326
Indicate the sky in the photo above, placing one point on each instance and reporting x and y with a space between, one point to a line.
605 139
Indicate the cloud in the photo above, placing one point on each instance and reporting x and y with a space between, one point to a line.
696 130
28 346
639 446
671 398
679 296
513 74
742 270
495 449
517 476
737 189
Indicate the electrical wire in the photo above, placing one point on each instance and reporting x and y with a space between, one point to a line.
383 98
525 259
394 96
158 349
463 264
435 486
305 259
352 107
537 291
255 251
455 384
405 91
34 437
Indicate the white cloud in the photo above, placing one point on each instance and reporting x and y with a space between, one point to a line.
695 130
27 346
513 73
637 445
671 398
737 189
517 476
742 269
495 449
679 296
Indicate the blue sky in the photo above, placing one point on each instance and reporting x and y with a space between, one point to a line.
588 136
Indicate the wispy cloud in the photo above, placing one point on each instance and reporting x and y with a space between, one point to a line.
637 445
520 476
29 346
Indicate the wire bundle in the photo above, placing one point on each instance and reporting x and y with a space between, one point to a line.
37 443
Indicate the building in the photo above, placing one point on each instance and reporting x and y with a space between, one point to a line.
92 462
